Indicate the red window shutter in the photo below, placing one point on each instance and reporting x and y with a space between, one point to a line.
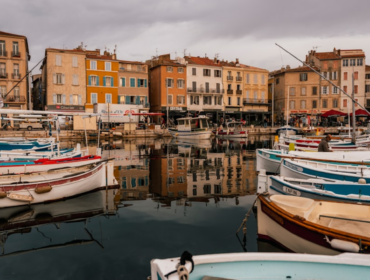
345 76
356 89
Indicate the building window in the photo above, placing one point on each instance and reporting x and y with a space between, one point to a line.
2 90
303 104
140 82
367 76
59 98
238 101
2 48
303 76
123 82
2 70
356 88
74 61
75 80
58 60
367 103
335 103
180 100
16 71
108 81
170 82
15 49
207 100
303 91
229 101
16 93
93 65
108 66
229 87
344 103
325 65
335 90
263 79
314 104
292 104
58 78
355 75
325 103
169 69
207 72
132 82
169 99
255 78
345 76
367 88
345 62
356 104
180 70
352 62
345 89
194 71
217 73
277 81
247 78
93 80
73 99
180 83
94 98
292 90
324 90
334 75
108 98
335 64
359 62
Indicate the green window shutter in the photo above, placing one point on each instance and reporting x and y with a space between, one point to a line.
111 81
89 80
145 83
123 82
128 99
97 80
138 82
146 101
137 100
103 81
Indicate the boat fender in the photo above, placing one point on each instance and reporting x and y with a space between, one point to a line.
176 134
362 181
2 194
342 245
182 271
44 189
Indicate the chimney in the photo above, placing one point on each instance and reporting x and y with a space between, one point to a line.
227 61
215 60
237 60
114 56
282 69
288 67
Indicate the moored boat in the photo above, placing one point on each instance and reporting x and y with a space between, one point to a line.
191 128
232 130
286 130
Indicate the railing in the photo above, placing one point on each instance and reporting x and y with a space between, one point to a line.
239 79
230 91
145 105
203 90
123 69
3 53
15 98
239 92
16 76
16 54
256 101
3 75
230 78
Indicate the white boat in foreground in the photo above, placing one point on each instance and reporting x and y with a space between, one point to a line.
262 266
191 128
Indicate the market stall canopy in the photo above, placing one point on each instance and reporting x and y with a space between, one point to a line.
361 113
333 113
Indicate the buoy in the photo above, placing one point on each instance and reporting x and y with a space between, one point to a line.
291 147
45 189
276 138
345 246
2 194
361 181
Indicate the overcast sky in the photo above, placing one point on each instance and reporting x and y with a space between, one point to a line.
242 29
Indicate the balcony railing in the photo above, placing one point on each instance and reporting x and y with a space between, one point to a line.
3 53
15 98
16 76
230 91
16 54
203 90
256 101
3 75
239 92
230 78
239 79
124 69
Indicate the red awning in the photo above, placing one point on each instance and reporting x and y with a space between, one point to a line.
361 113
333 113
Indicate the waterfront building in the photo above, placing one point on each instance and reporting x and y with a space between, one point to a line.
101 79
301 86
256 101
167 75
204 86
63 76
133 84
367 87
14 57
329 65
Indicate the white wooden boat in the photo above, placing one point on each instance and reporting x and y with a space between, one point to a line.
286 130
191 128
261 266
233 130
343 130
55 184
310 226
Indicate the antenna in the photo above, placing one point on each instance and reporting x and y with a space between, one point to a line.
156 51
216 55
184 52
205 55
316 47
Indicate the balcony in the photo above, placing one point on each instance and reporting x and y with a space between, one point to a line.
256 101
239 92
15 99
16 54
203 90
3 53
123 68
3 75
230 91
16 76
239 79
230 78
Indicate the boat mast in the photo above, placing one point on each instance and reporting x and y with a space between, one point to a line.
353 110
349 123
167 102
287 106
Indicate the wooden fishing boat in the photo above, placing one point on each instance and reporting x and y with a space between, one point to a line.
233 130
286 130
191 128
261 266
304 225
55 184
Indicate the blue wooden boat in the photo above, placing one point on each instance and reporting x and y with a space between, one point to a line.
287 130
31 145
262 266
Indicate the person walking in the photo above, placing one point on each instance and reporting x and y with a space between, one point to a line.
324 145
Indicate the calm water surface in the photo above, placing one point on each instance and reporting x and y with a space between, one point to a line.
174 196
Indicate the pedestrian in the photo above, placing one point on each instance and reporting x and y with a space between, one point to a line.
163 122
324 145
264 123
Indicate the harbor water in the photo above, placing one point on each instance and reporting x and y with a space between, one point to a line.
174 196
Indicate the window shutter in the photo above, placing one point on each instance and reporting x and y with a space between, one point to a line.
111 81
54 78
123 81
146 100
128 99
63 99
89 80
145 83
70 99
76 79
104 81
97 80
54 98
79 99
138 82
63 79
137 100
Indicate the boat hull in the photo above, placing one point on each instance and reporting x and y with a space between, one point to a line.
206 134
267 161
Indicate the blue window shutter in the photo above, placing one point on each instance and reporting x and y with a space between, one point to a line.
128 99
137 100
132 82
123 82
111 82
133 182
97 80
138 82
146 180
145 83
89 80
103 81
146 100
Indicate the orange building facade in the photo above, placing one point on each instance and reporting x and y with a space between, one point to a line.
101 80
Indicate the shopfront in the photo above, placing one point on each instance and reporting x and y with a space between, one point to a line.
257 117
174 112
